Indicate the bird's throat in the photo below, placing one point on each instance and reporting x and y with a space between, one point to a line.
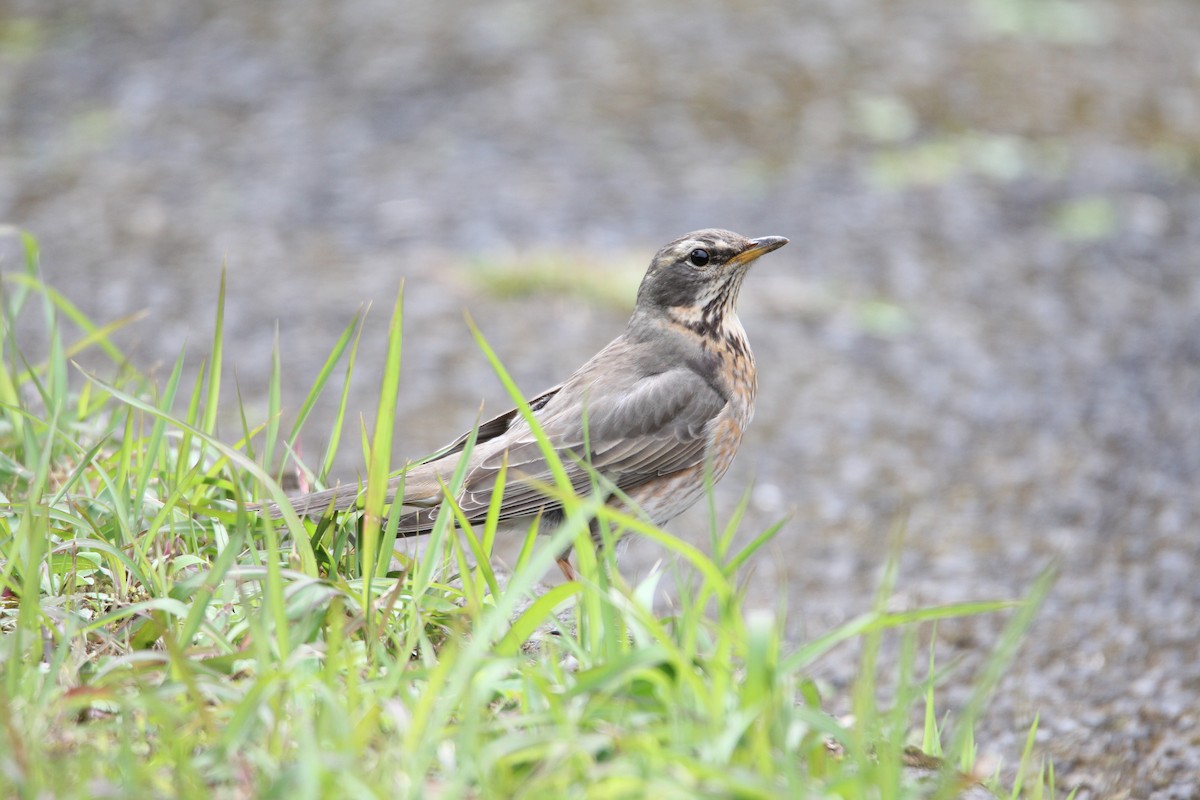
713 317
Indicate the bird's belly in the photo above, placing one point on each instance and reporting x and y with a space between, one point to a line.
668 496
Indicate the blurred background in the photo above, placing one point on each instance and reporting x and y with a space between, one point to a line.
987 322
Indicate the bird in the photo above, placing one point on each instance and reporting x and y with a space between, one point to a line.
666 400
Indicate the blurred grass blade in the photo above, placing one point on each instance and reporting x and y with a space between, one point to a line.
548 450
374 562
93 334
216 363
307 560
533 617
994 669
348 339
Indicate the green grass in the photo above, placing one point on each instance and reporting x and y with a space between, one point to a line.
609 282
161 640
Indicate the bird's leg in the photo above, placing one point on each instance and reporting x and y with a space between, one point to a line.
564 560
564 564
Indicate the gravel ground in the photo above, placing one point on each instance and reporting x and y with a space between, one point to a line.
987 323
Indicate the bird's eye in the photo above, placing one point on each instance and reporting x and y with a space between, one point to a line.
698 257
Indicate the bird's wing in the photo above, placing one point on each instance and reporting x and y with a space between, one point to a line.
497 425
656 426
635 432
422 482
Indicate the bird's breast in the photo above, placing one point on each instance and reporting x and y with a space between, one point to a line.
739 377
738 371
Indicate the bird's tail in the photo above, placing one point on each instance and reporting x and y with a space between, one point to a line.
422 489
314 504
342 498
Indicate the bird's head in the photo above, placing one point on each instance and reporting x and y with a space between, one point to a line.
696 278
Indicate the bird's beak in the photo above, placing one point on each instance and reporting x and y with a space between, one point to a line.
758 247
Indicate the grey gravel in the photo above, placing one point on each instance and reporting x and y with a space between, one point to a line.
987 323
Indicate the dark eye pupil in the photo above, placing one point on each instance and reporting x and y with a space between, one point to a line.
699 257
